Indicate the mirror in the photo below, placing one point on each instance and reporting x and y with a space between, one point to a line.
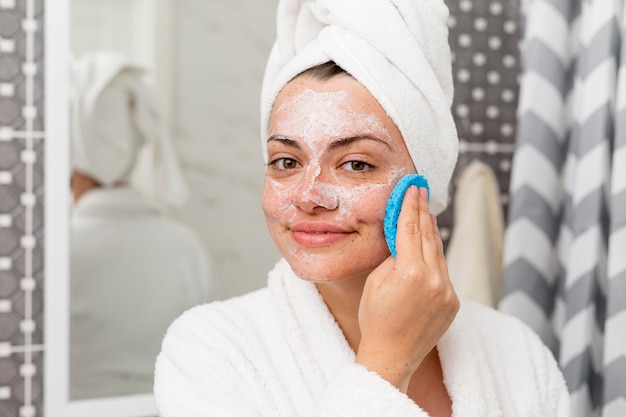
204 63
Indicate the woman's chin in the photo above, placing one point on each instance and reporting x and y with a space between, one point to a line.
315 271
317 275
335 262
322 272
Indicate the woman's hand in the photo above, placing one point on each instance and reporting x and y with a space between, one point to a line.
407 303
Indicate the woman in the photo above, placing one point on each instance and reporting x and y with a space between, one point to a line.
343 328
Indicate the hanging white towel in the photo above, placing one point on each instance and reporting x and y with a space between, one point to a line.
474 252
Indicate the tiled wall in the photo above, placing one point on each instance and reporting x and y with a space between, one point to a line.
485 39
21 211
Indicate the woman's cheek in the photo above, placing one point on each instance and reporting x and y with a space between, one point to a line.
278 201
369 201
365 203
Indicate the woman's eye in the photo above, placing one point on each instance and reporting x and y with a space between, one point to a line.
286 163
356 165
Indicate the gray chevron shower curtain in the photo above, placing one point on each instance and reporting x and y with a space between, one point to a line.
565 243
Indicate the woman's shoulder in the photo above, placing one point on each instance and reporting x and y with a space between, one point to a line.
477 309
503 332
492 321
513 362
208 351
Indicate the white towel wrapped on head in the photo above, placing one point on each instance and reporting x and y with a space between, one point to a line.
398 49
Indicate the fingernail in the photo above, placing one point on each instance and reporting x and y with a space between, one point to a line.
414 191
424 193
433 219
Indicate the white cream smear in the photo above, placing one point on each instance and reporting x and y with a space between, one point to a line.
319 119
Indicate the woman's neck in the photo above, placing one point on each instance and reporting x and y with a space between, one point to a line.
343 299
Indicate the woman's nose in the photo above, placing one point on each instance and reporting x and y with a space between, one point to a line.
314 193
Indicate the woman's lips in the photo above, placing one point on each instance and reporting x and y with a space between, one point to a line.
318 234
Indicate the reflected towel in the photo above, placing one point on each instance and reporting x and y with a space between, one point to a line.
114 115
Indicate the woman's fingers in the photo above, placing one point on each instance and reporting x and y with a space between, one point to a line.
440 251
438 239
416 237
408 239
429 239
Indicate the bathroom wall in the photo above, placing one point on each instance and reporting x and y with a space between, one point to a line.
222 48
22 132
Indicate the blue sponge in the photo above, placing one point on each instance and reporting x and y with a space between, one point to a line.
394 204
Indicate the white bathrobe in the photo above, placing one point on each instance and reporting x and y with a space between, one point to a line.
132 273
279 352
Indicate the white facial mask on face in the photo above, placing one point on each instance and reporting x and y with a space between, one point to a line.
318 119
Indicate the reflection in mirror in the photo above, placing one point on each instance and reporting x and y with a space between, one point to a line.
133 270
164 139
122 248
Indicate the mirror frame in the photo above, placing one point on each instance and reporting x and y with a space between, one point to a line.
56 223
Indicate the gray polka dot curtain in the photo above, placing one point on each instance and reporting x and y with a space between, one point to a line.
484 39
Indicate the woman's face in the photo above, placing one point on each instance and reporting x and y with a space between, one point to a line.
334 156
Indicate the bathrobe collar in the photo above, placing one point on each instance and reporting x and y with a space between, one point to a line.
318 337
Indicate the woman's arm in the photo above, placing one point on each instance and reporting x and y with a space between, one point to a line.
407 303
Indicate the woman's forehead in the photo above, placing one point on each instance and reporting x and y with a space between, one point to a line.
333 108
338 87
317 114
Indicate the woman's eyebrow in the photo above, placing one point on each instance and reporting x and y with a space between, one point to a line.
286 141
352 139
